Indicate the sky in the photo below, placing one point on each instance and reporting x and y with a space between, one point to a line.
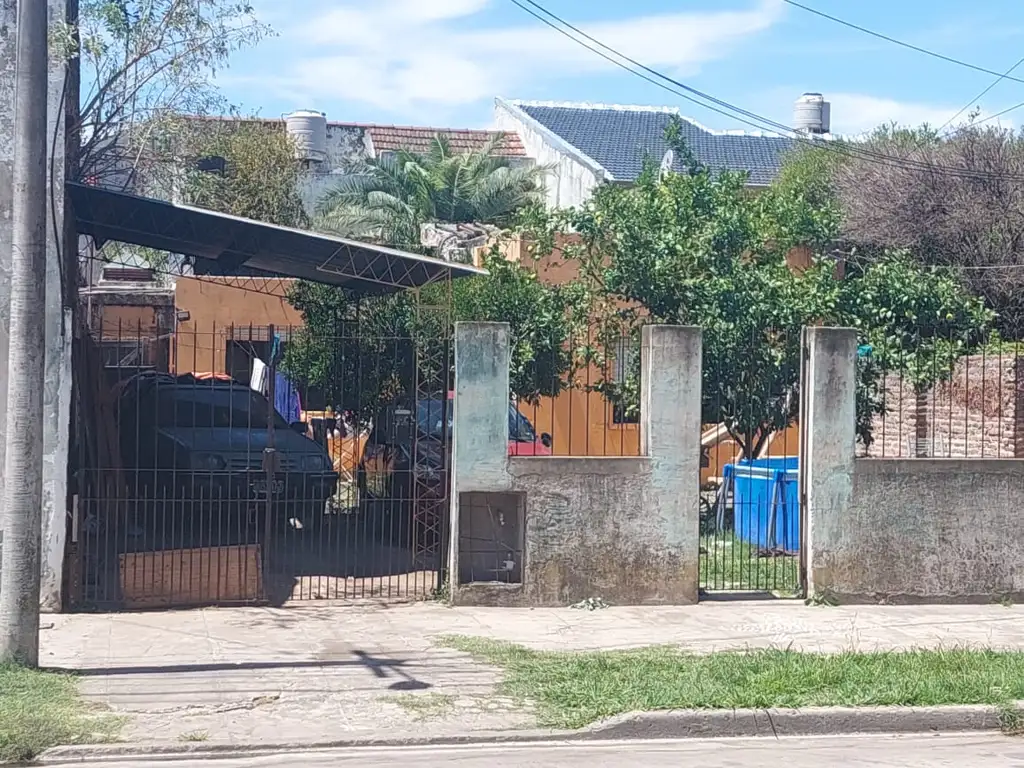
441 63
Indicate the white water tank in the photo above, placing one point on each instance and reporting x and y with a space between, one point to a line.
812 114
308 129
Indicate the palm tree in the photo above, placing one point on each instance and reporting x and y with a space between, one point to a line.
387 198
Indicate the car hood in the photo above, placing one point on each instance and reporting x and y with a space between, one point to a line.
240 440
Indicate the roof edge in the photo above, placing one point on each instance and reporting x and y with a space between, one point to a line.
597 106
514 108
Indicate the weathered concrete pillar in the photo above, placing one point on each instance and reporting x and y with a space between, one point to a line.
830 445
622 528
480 418
670 428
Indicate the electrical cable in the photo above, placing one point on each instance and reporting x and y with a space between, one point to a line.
902 43
779 129
981 95
1000 114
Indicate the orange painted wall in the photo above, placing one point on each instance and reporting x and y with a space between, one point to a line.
218 309
580 422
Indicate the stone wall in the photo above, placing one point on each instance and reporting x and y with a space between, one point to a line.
556 530
977 413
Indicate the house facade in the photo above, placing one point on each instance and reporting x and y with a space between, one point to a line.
591 144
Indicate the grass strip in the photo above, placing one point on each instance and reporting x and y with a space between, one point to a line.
571 690
40 709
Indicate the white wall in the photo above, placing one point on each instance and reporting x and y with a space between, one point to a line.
570 180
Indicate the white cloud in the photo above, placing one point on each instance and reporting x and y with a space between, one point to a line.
421 55
857 113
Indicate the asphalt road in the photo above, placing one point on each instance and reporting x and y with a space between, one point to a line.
977 751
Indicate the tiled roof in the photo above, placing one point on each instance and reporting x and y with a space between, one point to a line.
619 138
390 138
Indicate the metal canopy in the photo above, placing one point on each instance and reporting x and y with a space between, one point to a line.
222 244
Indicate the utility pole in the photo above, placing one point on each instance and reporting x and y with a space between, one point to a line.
21 524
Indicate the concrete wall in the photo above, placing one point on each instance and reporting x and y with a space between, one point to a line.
572 177
57 392
901 530
623 529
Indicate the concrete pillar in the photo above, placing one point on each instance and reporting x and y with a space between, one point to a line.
57 392
830 443
670 428
480 417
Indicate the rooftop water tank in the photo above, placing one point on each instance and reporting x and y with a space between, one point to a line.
308 129
812 114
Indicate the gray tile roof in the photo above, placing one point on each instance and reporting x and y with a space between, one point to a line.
619 138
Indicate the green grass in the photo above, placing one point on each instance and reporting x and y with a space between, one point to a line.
39 710
728 563
570 690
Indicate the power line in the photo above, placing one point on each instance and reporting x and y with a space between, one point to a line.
902 43
777 128
1000 114
981 95
557 23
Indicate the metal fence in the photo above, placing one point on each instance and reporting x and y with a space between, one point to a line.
257 464
941 398
750 522
581 395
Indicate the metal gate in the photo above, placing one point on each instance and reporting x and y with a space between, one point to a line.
750 503
259 465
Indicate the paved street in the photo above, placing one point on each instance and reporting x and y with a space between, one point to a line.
328 673
874 751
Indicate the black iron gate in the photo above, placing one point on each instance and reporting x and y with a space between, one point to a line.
261 464
751 524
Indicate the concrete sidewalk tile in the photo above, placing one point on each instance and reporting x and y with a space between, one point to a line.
250 675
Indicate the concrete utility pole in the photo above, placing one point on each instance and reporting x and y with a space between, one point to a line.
21 525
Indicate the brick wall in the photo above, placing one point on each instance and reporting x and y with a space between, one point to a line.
978 413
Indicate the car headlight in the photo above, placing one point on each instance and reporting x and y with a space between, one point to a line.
315 463
208 461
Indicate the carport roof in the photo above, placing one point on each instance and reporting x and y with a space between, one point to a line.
222 244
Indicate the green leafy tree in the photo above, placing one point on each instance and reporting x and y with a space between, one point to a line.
132 64
388 198
363 352
260 177
699 249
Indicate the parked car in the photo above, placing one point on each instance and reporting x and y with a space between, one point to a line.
183 438
386 471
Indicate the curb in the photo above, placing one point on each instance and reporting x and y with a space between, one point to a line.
670 724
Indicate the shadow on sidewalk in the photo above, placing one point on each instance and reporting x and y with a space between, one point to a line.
380 668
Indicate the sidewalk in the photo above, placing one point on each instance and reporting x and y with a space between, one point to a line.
329 673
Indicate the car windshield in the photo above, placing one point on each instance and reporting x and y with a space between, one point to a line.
215 407
519 428
429 414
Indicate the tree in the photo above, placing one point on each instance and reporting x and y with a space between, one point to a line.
364 351
241 166
698 249
388 198
954 200
259 178
143 62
